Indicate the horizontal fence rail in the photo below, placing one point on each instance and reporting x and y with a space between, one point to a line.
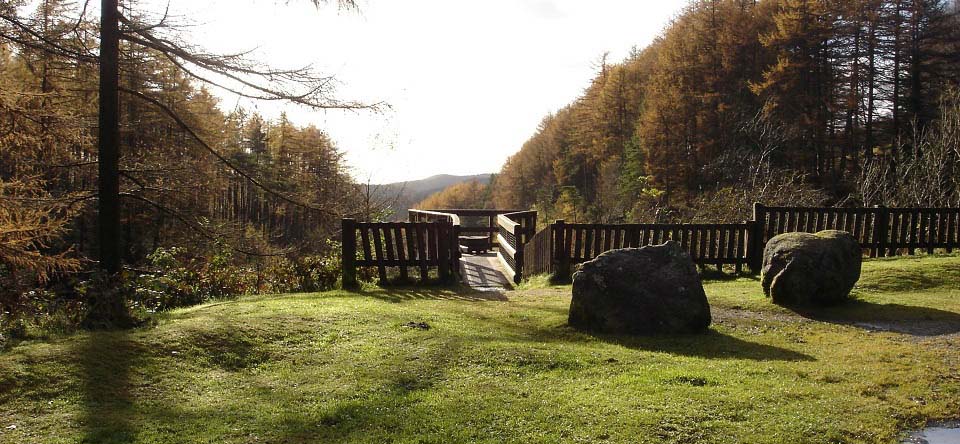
421 245
510 251
433 216
514 231
880 231
707 244
489 216
431 239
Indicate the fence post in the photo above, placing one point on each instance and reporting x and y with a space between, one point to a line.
533 227
881 230
444 227
756 229
492 223
455 249
518 259
560 253
348 254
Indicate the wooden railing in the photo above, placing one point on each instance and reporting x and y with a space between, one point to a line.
510 250
431 238
561 245
490 215
422 245
514 231
433 216
881 232
509 229
527 221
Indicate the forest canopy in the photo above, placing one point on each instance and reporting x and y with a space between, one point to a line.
780 101
171 198
215 201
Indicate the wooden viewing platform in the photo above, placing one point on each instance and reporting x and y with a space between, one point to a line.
505 230
431 240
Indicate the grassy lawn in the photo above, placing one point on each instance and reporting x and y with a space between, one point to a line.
346 367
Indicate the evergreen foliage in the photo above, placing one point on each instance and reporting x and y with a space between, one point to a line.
785 101
222 192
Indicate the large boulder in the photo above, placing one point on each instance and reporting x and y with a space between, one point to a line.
649 290
803 269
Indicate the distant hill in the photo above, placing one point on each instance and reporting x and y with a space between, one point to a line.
402 195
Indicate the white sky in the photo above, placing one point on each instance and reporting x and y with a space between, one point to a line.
468 82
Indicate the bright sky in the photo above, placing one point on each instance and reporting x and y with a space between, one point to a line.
468 82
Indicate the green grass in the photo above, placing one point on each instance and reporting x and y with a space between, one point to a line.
346 367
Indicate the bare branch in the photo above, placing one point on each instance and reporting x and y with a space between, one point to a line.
235 67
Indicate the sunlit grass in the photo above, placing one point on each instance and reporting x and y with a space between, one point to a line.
440 365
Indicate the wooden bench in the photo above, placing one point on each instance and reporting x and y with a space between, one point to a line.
475 244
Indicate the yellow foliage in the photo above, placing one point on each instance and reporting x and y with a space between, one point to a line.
29 222
470 194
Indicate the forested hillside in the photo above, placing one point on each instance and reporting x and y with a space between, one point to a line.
470 194
213 202
799 101
400 196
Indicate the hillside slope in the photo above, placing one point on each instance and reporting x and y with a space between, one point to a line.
730 105
403 195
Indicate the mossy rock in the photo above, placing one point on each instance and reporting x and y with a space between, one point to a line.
811 270
649 290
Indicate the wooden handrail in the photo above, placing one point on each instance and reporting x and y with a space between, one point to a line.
506 222
472 211
453 217
383 245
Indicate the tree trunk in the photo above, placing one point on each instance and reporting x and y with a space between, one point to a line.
109 134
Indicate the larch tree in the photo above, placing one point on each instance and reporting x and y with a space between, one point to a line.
129 40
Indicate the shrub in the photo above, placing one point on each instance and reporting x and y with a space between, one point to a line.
179 280
318 273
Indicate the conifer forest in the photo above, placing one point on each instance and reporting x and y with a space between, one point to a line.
116 159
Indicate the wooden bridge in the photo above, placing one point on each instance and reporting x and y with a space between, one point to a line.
447 244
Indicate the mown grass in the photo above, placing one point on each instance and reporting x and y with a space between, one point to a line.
442 365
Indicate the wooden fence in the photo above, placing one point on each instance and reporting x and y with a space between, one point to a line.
881 231
515 230
510 230
431 238
489 229
562 245
421 245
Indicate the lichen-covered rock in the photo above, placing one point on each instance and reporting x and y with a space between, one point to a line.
803 269
649 290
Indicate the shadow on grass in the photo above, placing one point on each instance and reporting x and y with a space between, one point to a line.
230 350
106 360
112 378
917 321
709 345
386 401
381 415
708 278
397 295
